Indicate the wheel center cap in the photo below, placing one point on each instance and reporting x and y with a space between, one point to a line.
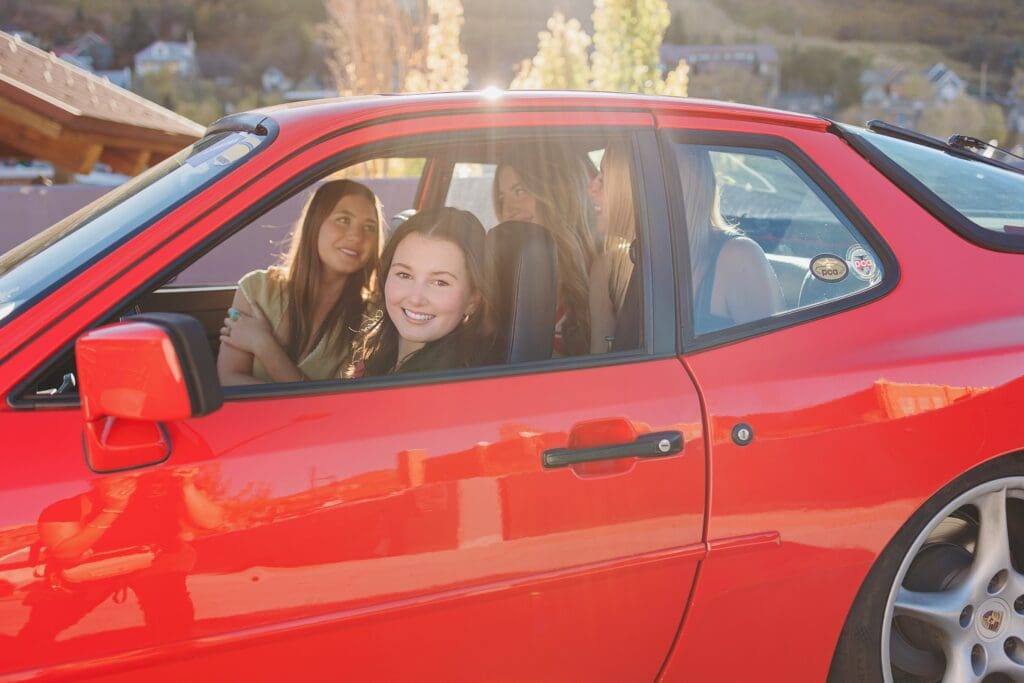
993 618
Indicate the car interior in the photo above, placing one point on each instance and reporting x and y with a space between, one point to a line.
521 258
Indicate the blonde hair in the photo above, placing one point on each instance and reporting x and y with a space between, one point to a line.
620 212
558 180
702 206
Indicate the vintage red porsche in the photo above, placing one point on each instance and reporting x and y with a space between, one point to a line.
833 488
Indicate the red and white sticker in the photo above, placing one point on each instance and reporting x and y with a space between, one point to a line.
862 263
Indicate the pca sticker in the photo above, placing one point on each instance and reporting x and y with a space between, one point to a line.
862 263
829 268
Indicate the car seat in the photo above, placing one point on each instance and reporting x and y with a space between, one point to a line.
522 274
629 321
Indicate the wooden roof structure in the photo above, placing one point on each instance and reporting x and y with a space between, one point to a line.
55 111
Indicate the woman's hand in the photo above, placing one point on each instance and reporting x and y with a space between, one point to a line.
248 331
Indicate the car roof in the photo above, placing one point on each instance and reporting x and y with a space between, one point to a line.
318 116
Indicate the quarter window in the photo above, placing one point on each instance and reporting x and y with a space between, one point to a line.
763 238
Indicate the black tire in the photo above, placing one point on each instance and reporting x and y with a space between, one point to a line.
937 566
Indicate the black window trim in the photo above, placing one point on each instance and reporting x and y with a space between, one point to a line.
689 342
655 345
926 198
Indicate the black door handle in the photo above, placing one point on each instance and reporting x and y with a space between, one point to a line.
653 445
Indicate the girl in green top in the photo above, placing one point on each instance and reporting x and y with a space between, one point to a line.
296 321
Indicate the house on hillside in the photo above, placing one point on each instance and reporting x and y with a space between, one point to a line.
165 55
947 84
761 59
273 80
89 48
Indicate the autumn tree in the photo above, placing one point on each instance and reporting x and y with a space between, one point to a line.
626 42
388 45
439 63
627 35
561 61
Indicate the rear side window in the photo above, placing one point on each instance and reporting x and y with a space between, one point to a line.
764 239
976 199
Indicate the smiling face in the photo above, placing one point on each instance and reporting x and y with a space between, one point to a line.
515 202
428 291
348 236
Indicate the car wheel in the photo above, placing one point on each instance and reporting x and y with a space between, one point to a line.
945 600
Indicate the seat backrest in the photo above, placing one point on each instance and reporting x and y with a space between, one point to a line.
629 320
521 268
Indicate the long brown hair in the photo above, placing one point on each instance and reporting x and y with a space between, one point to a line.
464 346
558 182
302 269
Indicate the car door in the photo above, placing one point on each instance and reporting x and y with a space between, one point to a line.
390 528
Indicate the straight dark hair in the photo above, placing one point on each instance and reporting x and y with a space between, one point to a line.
465 346
302 269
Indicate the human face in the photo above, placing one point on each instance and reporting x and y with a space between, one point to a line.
428 291
515 202
348 236
596 192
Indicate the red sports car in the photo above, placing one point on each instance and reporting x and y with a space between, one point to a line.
797 457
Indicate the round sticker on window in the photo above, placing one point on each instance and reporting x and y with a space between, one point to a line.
862 263
829 268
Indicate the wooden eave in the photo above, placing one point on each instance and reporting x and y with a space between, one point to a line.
114 126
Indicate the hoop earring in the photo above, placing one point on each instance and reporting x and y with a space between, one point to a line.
465 318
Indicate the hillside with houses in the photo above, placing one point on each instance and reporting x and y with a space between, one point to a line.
200 59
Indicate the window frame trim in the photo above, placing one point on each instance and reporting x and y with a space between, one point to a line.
689 341
651 349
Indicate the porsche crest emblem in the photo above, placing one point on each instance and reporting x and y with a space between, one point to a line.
991 620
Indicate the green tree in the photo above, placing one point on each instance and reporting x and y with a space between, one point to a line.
561 61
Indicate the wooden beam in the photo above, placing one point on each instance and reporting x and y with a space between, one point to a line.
73 156
23 116
15 114
129 162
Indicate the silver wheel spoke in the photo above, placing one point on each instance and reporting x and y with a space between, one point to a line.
941 609
993 549
958 665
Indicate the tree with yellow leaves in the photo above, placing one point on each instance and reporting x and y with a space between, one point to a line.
626 42
561 60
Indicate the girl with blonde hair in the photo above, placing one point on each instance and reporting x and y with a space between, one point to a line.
612 192
732 281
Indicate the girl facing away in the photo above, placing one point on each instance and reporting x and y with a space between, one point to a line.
548 186
434 298
296 321
733 282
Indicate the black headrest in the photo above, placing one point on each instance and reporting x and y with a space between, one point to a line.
521 261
